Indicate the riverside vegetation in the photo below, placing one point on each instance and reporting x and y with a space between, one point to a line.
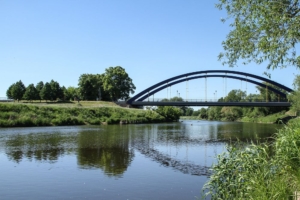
264 171
57 114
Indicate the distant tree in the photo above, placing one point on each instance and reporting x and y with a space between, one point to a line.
117 83
231 113
56 91
189 111
171 113
9 91
203 113
17 90
31 93
214 113
196 113
39 86
45 93
71 93
89 85
262 31
235 96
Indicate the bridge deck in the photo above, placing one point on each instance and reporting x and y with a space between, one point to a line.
187 103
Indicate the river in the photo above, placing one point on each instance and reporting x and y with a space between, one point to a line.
143 161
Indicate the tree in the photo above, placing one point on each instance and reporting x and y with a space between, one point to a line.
262 31
56 91
45 93
171 113
31 93
39 86
71 93
203 113
9 91
231 113
117 83
17 90
89 85
235 96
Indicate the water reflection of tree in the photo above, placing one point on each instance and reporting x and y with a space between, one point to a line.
108 150
39 147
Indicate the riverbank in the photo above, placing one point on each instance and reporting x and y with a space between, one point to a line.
72 113
277 118
265 171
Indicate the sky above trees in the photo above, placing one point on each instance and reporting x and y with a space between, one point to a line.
151 40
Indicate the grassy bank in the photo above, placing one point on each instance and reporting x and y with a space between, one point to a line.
274 118
265 171
71 113
281 117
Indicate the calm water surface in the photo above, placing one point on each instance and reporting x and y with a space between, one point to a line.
149 161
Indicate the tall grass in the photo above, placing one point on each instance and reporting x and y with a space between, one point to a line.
13 115
265 171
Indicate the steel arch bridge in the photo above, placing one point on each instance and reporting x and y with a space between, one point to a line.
138 99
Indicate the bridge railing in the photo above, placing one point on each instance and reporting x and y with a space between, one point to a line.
212 100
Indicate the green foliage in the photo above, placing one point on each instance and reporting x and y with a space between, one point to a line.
294 98
9 91
231 113
39 86
56 91
171 113
264 171
214 113
262 31
89 85
16 90
117 83
235 96
13 115
31 93
203 113
45 92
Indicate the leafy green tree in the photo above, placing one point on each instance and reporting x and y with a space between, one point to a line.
9 91
71 93
89 85
262 31
117 83
214 113
171 113
31 93
203 113
189 111
45 93
39 86
17 90
235 96
196 113
56 91
231 113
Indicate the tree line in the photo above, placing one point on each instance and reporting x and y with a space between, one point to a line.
232 113
112 85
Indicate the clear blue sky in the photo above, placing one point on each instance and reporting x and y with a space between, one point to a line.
152 39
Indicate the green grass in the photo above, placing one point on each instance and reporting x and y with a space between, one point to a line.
266 119
57 114
265 171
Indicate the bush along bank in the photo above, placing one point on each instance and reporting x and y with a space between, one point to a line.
265 171
19 115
